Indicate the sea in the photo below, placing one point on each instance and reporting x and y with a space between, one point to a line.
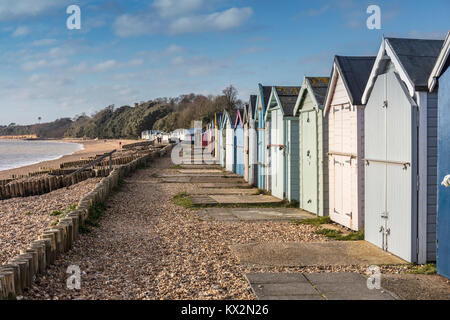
20 153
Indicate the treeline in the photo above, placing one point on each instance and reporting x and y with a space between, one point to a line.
164 114
55 129
187 108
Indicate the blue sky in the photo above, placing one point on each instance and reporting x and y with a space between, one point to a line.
136 50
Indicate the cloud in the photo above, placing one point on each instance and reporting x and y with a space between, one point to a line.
21 31
199 65
17 9
316 11
105 66
43 63
171 8
218 21
148 23
43 42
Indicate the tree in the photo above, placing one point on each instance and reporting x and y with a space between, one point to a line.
231 98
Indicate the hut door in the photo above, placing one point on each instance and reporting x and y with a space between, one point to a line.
308 170
342 191
276 155
390 213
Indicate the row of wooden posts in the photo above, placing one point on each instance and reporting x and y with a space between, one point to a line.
12 189
20 272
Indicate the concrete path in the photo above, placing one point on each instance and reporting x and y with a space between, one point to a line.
225 185
314 286
196 171
202 179
336 253
230 199
201 166
216 191
249 214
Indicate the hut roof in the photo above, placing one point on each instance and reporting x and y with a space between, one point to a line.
355 72
287 97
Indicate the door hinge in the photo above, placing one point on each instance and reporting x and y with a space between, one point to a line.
418 183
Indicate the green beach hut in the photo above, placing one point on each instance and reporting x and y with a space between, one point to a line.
283 144
313 145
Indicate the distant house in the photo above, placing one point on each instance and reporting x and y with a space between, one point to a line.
344 113
283 144
400 149
312 138
440 78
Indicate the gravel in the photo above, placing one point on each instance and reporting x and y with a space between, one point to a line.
23 219
149 248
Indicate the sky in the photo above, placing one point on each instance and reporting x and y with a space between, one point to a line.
129 51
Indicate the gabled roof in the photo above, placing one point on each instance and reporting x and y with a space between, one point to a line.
238 118
354 72
262 98
252 106
250 109
441 65
413 59
317 87
285 98
228 116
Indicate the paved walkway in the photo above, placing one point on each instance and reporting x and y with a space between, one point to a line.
314 286
253 214
338 253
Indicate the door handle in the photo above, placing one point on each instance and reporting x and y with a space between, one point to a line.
446 181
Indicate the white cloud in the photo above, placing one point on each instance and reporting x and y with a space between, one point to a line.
148 23
43 63
218 21
171 8
43 42
173 49
16 9
21 31
105 66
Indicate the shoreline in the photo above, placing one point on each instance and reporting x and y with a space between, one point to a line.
89 148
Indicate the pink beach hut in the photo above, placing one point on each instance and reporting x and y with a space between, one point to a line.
345 115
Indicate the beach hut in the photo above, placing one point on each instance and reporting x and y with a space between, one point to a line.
238 144
312 138
250 141
400 150
221 140
440 76
216 138
344 114
261 105
228 128
283 146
